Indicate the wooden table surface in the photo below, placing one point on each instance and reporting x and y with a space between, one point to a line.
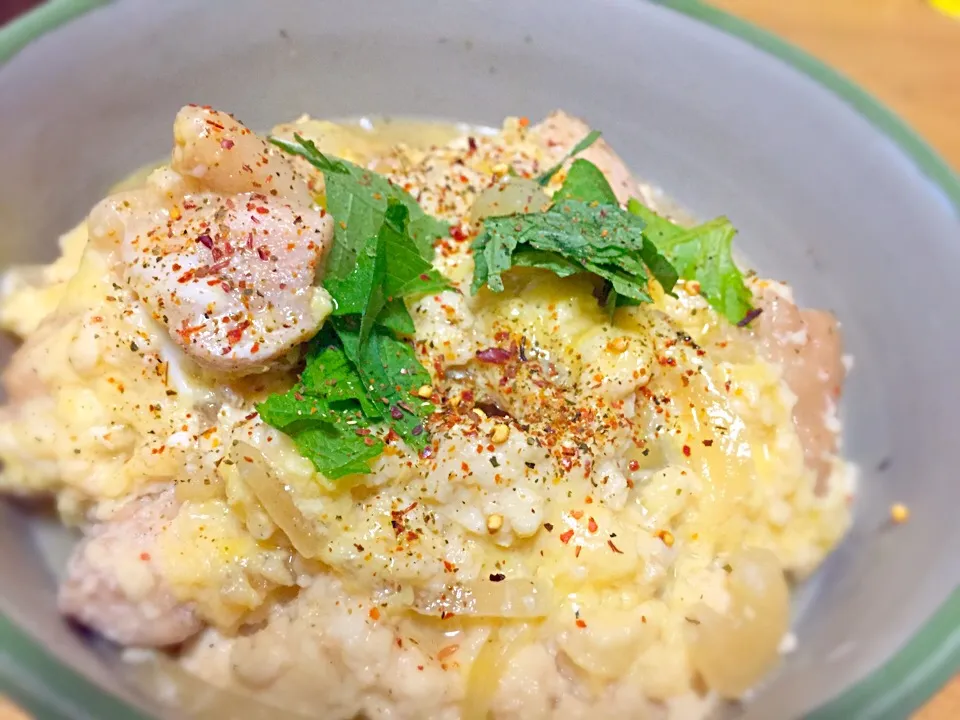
903 52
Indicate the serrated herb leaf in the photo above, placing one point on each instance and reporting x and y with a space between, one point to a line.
309 152
703 253
586 183
586 142
396 318
408 274
392 375
337 450
388 268
358 199
600 239
362 291
554 262
325 410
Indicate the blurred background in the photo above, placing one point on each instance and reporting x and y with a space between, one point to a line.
905 52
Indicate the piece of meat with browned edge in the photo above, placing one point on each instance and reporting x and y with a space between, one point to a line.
113 584
808 346
224 247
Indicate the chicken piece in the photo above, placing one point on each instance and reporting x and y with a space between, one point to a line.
113 584
559 132
225 262
229 158
808 346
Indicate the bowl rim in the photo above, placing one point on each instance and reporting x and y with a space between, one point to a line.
895 689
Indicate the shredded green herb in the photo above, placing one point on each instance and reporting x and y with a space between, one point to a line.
358 198
703 253
360 374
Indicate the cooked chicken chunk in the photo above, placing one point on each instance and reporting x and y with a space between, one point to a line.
225 259
559 132
229 158
807 345
114 586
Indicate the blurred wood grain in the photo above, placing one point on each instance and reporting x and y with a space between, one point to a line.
903 52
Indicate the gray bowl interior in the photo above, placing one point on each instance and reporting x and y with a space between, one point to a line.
822 199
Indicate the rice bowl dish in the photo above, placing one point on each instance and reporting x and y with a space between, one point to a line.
457 426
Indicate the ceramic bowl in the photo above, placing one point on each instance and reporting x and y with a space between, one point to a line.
830 191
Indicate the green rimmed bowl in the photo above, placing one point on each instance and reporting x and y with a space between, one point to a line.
830 190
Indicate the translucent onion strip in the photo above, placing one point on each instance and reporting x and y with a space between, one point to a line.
276 500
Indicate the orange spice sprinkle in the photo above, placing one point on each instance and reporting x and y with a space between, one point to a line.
581 624
566 536
447 651
374 614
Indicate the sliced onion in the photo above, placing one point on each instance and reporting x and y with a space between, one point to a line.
733 650
516 195
505 599
487 670
276 500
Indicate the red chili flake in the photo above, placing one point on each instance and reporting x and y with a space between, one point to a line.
566 536
686 450
581 624
236 333
186 332
576 514
613 547
374 614
633 466
396 413
226 143
588 500
576 552
145 556
262 210
206 241
495 355
707 443
458 233
472 143
447 651
592 525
